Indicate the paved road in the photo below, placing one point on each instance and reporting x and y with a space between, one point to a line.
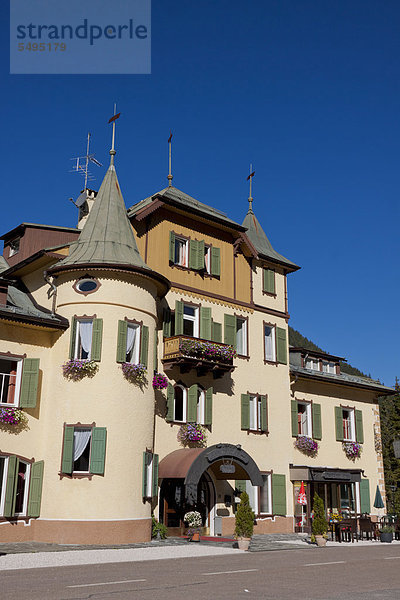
326 573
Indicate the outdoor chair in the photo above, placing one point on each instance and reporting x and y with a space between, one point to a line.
367 526
348 530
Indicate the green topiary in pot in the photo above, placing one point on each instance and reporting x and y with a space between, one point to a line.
320 524
244 519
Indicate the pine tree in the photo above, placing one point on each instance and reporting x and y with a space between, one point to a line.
390 430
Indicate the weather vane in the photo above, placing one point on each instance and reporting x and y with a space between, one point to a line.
169 176
112 120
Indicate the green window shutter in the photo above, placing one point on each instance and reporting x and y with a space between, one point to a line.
172 246
72 338
205 323
316 421
97 336
201 265
178 317
35 489
365 502
339 423
144 475
193 254
359 427
170 402
144 346
155 475
98 450
245 411
167 322
215 261
216 332
155 351
121 341
294 411
264 414
29 383
269 281
240 485
208 407
68 450
230 330
11 488
279 494
281 350
191 416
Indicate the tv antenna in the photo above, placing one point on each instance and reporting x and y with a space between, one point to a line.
82 166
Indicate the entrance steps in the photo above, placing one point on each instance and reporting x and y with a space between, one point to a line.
278 541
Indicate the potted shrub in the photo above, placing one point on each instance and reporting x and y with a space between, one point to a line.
158 530
319 524
194 521
244 522
386 534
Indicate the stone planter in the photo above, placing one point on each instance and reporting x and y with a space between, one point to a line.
386 537
243 543
320 540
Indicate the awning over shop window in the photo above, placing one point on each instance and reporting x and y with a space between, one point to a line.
324 475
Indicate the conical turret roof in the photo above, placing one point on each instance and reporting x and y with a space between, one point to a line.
261 243
107 237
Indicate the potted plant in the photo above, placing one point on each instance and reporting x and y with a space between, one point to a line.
319 524
134 373
306 445
158 530
192 435
386 534
194 521
159 381
244 522
76 369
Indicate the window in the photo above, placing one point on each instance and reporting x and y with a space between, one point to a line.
19 380
207 259
190 320
86 286
304 419
83 339
84 448
254 415
312 364
201 401
10 380
180 401
181 251
132 343
150 475
328 367
348 425
260 496
20 486
241 336
14 247
269 343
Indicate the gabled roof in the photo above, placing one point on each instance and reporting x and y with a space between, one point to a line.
20 307
342 379
107 237
174 197
20 228
262 244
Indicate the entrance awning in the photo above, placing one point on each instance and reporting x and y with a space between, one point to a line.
190 464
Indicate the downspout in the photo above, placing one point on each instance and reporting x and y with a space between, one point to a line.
51 293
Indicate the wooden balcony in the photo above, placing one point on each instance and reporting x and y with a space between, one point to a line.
193 353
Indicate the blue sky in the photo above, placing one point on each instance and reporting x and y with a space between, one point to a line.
307 91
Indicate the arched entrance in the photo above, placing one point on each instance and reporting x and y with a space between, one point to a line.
192 478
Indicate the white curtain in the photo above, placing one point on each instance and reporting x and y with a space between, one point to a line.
81 440
85 332
130 340
269 351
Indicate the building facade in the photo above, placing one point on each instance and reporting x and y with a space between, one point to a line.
90 446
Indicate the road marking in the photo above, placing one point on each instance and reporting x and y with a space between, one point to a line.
391 557
227 572
106 583
336 562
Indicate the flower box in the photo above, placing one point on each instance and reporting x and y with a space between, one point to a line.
75 369
160 382
134 373
306 445
192 435
352 450
12 416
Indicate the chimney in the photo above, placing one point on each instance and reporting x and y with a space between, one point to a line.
86 207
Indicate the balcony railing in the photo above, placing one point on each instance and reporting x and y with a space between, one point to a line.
193 353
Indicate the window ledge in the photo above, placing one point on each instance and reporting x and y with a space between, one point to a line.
256 431
75 475
270 362
272 295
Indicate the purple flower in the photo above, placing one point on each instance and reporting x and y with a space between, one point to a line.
192 434
307 445
160 381
11 416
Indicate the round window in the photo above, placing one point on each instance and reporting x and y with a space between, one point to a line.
86 285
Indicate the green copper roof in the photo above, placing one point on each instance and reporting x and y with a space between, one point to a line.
107 237
261 243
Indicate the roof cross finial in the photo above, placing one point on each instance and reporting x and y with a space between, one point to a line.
250 179
169 176
112 120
